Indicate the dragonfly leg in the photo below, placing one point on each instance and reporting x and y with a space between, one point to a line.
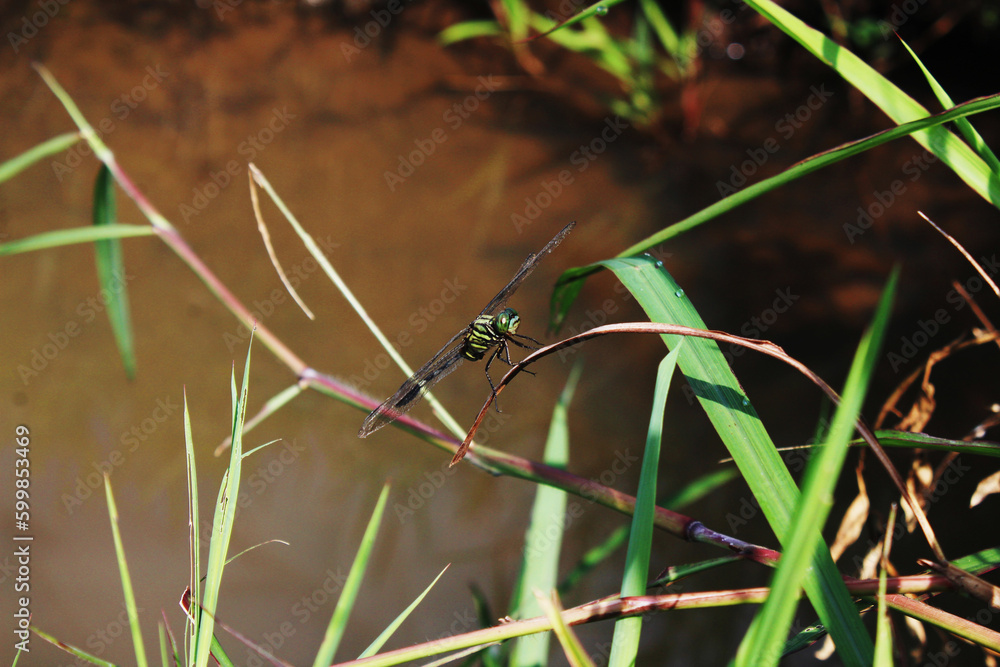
496 353
513 339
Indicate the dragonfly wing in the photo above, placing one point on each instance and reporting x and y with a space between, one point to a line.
411 391
500 300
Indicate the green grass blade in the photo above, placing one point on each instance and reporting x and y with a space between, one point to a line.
763 643
469 30
664 31
194 537
575 654
979 561
76 652
592 558
689 494
625 643
130 606
345 604
907 440
899 106
111 270
678 572
596 10
271 406
223 521
517 12
883 631
380 641
16 165
737 423
543 541
317 253
62 237
963 124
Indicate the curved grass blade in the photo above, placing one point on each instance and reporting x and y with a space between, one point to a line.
469 30
111 271
345 604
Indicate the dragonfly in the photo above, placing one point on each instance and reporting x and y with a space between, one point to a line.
494 329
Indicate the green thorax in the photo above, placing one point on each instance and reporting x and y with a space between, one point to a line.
489 331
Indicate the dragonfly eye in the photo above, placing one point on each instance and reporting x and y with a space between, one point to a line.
507 321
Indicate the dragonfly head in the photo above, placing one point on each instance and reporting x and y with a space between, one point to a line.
507 321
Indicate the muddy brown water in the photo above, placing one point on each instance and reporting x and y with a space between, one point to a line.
413 187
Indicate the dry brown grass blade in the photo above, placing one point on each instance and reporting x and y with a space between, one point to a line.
265 235
761 346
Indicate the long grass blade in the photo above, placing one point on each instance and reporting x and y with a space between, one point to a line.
331 273
131 608
380 641
348 596
17 164
75 651
964 126
763 643
625 643
63 237
223 520
194 537
543 540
